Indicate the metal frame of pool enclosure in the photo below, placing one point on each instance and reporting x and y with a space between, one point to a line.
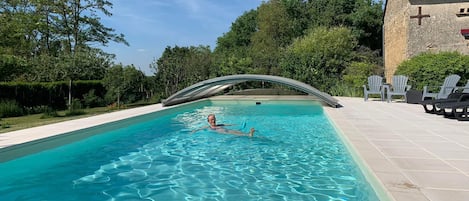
213 86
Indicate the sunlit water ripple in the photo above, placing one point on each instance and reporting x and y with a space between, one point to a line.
295 155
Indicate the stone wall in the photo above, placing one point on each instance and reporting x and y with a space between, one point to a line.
405 38
439 32
395 35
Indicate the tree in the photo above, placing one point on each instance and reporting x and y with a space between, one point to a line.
320 57
232 54
240 33
367 23
11 67
364 17
114 82
79 30
59 34
179 67
275 31
124 83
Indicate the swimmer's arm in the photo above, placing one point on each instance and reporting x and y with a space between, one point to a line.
227 124
199 129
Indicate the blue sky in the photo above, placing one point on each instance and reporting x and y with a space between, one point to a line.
152 25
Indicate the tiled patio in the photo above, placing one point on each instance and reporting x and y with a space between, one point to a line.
414 155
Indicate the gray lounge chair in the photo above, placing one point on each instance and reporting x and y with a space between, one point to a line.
433 105
436 104
449 85
399 87
375 86
457 110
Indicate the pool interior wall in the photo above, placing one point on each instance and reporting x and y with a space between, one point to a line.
378 187
16 151
12 152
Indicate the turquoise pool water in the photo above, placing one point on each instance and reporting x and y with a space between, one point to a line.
294 155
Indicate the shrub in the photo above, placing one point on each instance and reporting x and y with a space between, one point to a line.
90 99
432 68
319 57
49 112
10 108
5 125
75 108
357 73
32 94
36 109
343 89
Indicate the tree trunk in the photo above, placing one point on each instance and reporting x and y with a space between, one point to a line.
118 99
70 94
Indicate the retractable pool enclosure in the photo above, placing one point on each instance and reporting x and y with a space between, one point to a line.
213 86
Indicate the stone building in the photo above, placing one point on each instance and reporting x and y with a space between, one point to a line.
415 26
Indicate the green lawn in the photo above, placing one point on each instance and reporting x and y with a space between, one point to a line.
18 123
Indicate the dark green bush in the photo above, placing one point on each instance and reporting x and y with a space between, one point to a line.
10 108
342 89
356 74
319 57
52 94
75 109
36 109
432 68
91 100
5 125
49 112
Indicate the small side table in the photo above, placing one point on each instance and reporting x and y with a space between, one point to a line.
414 96
386 88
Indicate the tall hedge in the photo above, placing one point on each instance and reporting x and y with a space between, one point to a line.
432 68
52 94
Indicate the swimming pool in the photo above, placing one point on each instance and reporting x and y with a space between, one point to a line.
294 155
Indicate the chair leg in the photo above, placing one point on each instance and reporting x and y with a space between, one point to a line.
464 115
431 111
438 111
459 114
445 113
454 114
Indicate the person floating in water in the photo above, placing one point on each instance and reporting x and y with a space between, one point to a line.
212 121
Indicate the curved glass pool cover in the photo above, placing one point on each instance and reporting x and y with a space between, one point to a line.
214 86
295 154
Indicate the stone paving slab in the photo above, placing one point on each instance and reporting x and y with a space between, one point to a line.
416 156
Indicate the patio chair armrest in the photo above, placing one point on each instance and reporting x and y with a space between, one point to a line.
463 97
461 88
448 87
408 87
426 88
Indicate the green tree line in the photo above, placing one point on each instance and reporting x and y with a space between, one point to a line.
50 41
329 44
